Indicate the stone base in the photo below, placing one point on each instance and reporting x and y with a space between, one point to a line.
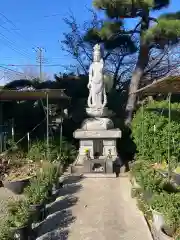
97 134
98 166
94 166
99 112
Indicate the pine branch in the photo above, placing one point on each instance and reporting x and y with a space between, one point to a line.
163 33
129 8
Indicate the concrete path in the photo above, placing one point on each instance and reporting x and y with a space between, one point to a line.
95 208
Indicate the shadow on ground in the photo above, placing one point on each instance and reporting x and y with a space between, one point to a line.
69 189
60 217
57 235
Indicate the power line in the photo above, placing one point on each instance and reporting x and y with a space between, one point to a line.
11 70
10 32
13 48
52 15
14 71
32 65
12 23
8 20
8 70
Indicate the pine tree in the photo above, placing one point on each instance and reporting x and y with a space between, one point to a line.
153 33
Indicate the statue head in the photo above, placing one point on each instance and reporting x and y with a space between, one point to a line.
97 53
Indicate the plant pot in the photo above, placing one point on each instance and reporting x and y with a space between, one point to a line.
38 212
163 235
18 186
147 195
176 178
1 184
158 219
22 233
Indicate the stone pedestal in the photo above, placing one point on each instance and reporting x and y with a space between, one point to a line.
97 135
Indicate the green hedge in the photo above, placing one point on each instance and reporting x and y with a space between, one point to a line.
153 146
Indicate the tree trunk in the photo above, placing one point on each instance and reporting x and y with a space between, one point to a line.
137 74
142 62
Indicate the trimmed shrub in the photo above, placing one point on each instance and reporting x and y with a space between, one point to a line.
150 132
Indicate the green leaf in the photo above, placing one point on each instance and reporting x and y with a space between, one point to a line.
109 29
128 8
170 16
163 33
93 36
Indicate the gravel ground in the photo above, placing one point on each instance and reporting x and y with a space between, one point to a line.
95 208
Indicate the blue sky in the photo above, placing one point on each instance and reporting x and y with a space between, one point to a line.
40 23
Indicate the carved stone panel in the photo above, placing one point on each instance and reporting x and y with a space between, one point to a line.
86 143
109 142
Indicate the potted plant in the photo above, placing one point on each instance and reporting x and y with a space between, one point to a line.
5 231
49 175
138 169
172 213
157 203
37 194
19 219
135 178
135 174
151 183
56 179
166 212
19 175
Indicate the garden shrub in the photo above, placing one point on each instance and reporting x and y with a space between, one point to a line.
5 232
152 127
150 179
36 192
37 151
18 213
68 153
147 177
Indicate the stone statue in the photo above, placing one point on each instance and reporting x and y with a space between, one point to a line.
97 94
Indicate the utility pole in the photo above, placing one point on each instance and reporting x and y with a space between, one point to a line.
40 60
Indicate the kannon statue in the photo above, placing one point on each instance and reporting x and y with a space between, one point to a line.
97 94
